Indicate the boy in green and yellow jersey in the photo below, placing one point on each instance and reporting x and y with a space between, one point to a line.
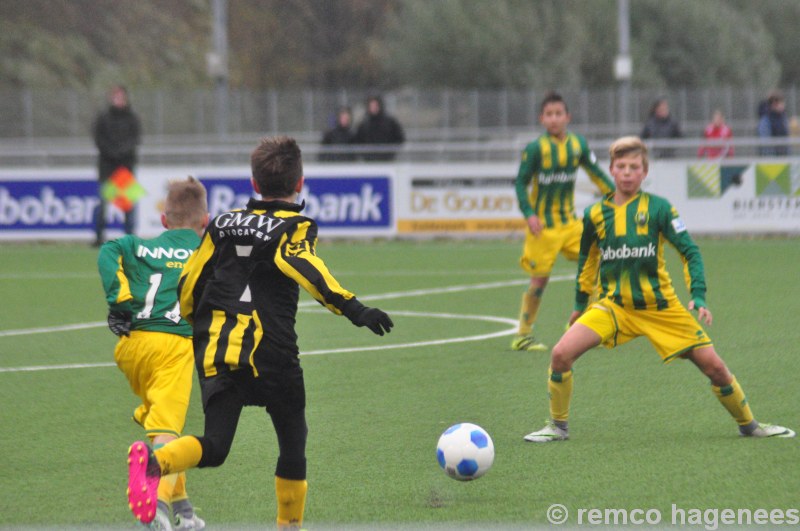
154 352
546 193
623 245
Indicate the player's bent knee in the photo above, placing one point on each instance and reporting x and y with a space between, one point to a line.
560 359
709 362
214 454
719 375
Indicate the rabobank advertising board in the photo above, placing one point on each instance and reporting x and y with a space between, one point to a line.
341 205
53 204
407 200
62 204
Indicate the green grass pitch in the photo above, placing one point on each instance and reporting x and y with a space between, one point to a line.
644 435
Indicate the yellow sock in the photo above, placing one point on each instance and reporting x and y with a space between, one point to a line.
179 455
531 300
291 494
559 387
167 483
166 487
732 397
179 492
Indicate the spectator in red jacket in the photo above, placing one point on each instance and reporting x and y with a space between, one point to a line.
717 129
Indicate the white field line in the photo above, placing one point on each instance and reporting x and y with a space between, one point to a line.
447 289
490 318
337 273
45 276
385 296
49 329
35 368
427 315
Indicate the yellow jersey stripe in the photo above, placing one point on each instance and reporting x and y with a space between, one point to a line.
620 221
562 153
596 215
257 335
191 273
217 321
331 283
648 292
547 154
234 348
575 144
124 293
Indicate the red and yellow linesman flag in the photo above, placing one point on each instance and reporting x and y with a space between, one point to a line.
122 189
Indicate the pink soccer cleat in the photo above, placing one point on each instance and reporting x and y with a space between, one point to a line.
144 473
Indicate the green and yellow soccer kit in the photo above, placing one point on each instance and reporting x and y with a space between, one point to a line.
545 187
141 276
622 247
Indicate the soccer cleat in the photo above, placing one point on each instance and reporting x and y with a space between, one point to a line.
144 473
528 343
182 523
769 430
161 522
549 433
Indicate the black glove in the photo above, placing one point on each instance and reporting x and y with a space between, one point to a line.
374 319
120 322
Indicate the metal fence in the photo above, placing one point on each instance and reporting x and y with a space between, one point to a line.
52 127
425 114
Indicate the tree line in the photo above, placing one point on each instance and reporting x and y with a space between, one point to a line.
387 44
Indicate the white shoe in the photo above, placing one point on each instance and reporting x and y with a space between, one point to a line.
549 433
161 522
770 430
184 524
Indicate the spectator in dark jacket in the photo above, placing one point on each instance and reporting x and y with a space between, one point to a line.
117 134
379 128
660 125
341 134
774 124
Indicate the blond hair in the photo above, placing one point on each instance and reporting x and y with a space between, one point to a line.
628 145
186 205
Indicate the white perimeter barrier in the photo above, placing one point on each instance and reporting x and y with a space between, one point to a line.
732 196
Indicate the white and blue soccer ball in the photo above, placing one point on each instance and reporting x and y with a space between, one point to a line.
465 451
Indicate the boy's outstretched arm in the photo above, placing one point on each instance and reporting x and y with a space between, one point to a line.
376 320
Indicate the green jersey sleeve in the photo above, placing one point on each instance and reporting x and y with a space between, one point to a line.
596 174
675 232
116 285
588 264
528 167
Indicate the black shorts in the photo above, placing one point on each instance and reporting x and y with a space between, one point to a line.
277 390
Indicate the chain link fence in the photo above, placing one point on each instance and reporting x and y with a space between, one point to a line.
54 126
441 114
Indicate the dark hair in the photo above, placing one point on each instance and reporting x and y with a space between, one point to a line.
277 166
552 97
658 101
377 98
774 97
